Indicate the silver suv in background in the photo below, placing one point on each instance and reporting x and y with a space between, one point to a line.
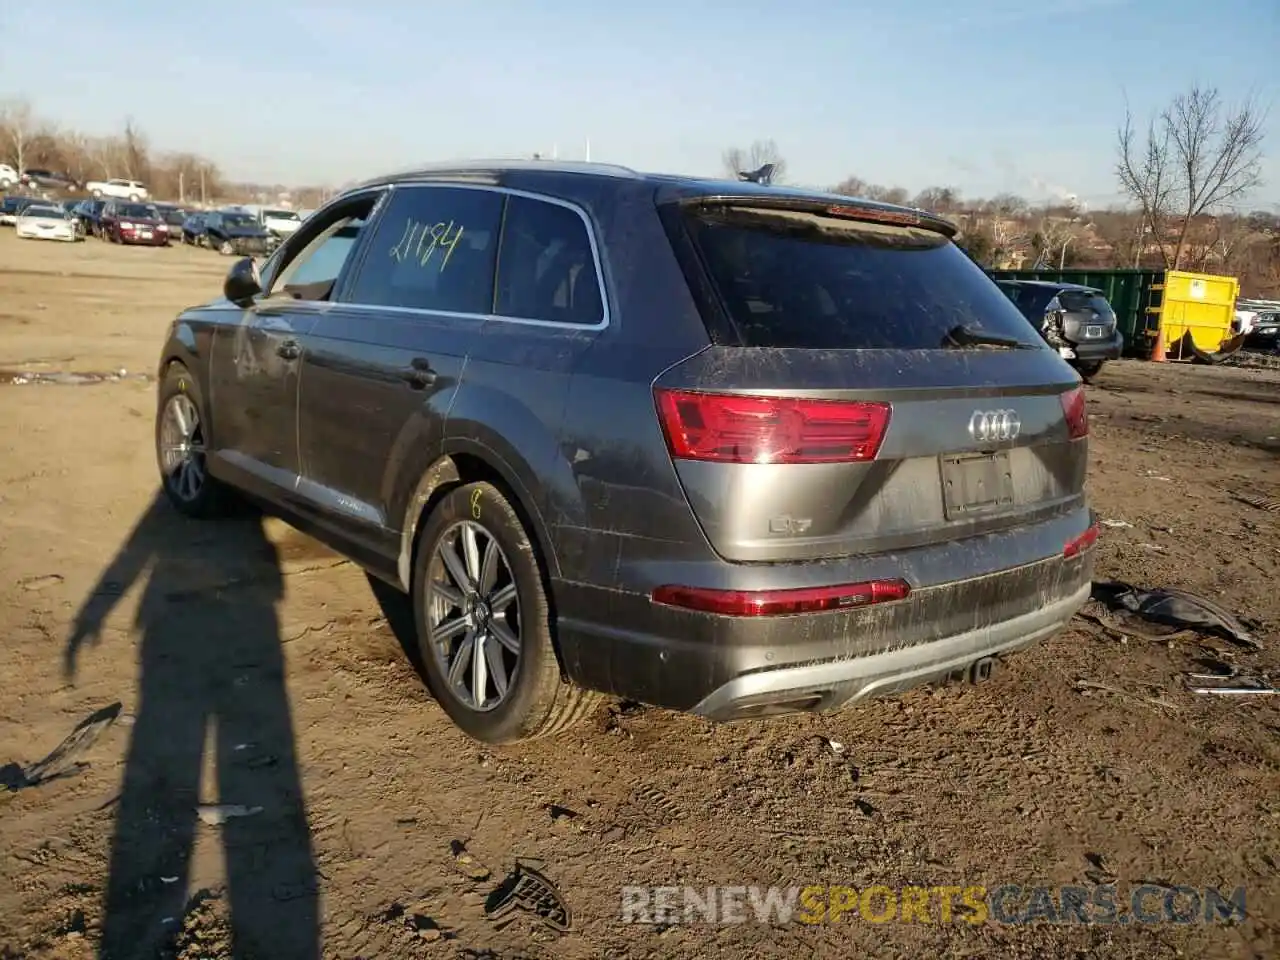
1075 320
719 447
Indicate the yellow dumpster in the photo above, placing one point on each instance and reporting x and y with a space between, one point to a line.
1199 304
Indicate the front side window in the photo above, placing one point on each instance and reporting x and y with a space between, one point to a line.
434 249
308 267
546 269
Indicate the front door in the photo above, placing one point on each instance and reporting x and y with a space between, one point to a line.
382 366
257 362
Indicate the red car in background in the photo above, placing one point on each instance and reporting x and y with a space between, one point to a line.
138 223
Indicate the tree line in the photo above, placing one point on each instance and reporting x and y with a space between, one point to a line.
31 141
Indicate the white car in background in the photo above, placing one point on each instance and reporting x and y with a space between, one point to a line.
42 221
131 190
281 222
8 177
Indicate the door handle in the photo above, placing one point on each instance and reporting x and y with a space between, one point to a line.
419 374
289 350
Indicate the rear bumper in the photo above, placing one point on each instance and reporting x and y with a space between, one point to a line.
833 684
156 240
1100 349
723 667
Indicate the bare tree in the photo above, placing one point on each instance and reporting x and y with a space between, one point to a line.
134 152
1007 205
852 187
1196 157
938 199
1052 239
18 127
736 160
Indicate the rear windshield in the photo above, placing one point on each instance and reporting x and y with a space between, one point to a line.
1084 301
138 212
793 279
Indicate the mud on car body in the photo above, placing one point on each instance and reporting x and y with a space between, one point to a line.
721 447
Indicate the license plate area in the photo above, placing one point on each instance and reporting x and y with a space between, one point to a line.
976 483
1093 333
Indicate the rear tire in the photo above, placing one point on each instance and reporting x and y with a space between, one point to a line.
1088 369
181 436
478 592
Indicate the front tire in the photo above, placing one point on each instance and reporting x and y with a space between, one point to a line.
225 248
181 436
483 622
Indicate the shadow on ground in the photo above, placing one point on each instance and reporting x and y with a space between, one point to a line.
211 677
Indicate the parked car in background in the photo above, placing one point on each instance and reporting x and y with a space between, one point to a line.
193 229
11 206
283 223
47 180
122 189
133 223
8 177
1264 332
173 216
1075 320
233 232
45 221
89 215
669 449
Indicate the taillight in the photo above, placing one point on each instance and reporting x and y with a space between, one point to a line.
731 428
1078 545
1073 410
779 603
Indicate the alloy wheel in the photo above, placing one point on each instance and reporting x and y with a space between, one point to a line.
473 616
182 447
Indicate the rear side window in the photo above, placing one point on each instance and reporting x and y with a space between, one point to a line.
1032 300
546 269
433 249
797 279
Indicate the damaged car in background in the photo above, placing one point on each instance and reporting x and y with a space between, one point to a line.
1075 320
233 232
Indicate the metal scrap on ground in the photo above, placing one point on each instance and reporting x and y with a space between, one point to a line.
1261 501
1176 608
62 762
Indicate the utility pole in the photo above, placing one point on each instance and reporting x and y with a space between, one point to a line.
182 180
202 200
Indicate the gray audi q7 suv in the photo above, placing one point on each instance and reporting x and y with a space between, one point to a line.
719 447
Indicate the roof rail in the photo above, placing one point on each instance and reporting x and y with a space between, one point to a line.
521 163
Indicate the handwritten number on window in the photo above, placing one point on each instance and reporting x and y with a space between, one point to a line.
421 241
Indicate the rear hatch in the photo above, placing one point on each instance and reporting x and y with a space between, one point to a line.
868 387
1086 315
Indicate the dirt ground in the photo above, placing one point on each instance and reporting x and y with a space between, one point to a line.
256 668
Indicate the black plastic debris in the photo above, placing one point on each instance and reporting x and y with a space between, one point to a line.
1176 608
62 762
529 891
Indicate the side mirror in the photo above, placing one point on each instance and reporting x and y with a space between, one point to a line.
243 282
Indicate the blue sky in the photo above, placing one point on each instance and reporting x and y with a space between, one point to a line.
984 95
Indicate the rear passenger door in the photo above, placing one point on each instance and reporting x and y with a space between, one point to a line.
550 307
380 369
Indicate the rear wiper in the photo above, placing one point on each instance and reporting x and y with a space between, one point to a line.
963 335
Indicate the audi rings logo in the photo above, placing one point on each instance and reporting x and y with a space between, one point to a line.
989 425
